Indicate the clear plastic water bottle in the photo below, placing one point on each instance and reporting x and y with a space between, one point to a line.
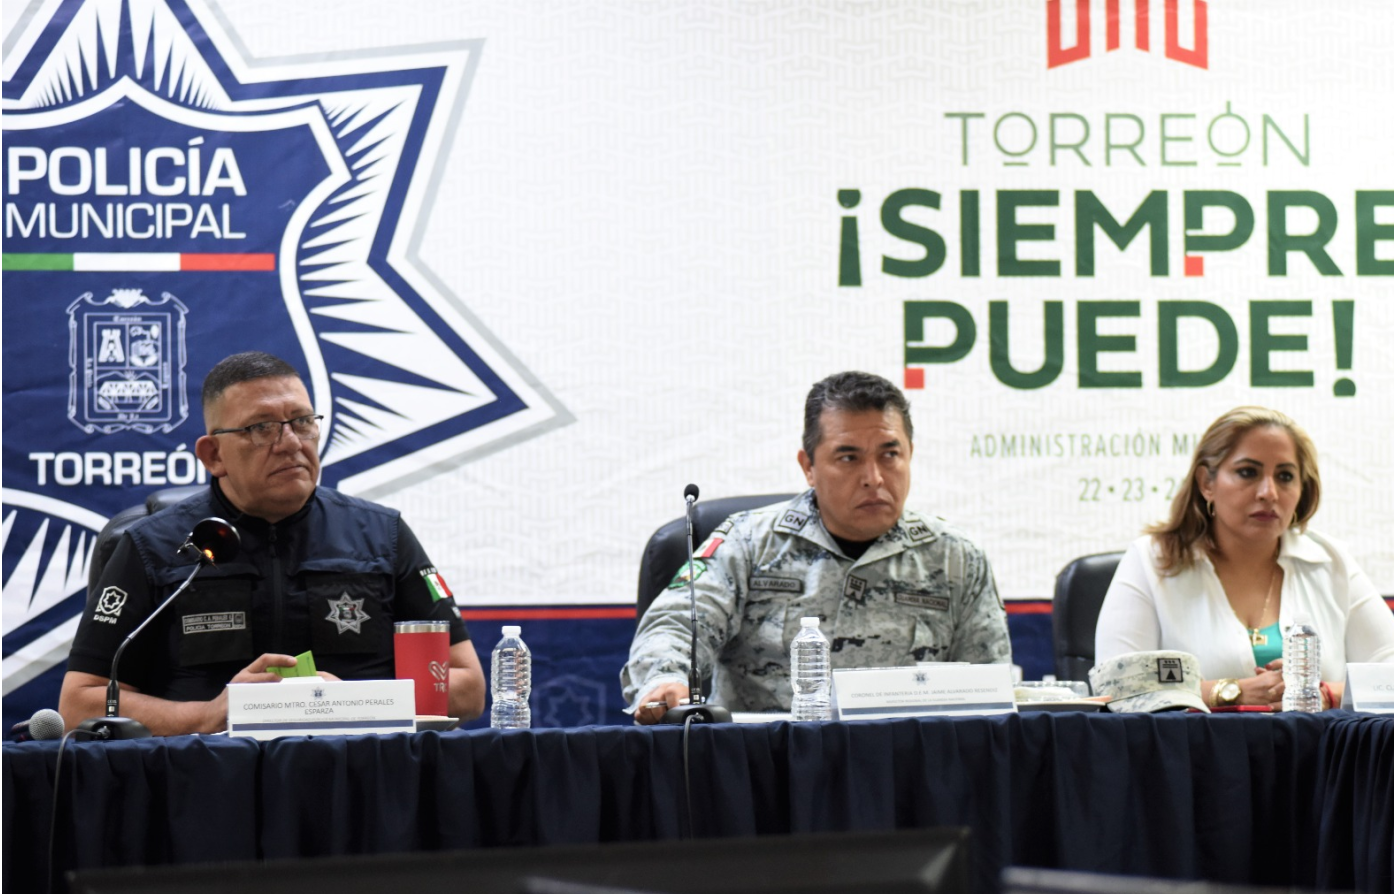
511 681
810 662
1302 667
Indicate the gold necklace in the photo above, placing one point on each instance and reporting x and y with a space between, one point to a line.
1256 638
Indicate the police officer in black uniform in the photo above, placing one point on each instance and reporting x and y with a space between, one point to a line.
317 570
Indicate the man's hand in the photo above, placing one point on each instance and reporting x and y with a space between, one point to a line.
655 703
257 672
84 695
213 717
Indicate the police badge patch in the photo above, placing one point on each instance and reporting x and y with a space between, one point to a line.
347 614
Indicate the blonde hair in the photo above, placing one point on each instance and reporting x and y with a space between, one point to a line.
1189 523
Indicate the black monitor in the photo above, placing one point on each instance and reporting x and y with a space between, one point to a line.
924 861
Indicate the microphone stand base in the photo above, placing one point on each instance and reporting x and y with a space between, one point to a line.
113 728
699 714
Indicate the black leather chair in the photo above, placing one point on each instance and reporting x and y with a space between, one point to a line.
667 548
1079 594
117 525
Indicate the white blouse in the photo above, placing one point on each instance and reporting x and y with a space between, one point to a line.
1145 611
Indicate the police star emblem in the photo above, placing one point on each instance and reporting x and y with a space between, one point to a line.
347 614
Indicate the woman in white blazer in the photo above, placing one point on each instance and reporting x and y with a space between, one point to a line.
1232 567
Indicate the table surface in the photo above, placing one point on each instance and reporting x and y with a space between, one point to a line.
1251 799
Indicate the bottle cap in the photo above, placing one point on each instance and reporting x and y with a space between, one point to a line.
809 622
512 631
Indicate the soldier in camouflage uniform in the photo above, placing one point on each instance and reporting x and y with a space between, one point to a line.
891 587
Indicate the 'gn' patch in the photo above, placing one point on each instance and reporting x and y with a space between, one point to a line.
793 520
772 582
921 599
918 531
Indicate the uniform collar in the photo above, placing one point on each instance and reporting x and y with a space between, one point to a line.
801 518
223 506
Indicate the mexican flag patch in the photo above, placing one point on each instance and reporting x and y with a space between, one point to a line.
436 584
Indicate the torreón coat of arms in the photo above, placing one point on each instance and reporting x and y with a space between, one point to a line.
126 356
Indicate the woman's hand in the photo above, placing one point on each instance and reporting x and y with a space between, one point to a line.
1265 687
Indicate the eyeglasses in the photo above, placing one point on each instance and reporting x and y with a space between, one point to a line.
264 434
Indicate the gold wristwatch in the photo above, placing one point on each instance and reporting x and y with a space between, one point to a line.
1225 692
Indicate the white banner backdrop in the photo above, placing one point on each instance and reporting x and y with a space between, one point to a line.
651 207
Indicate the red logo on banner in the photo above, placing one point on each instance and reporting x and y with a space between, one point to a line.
1058 54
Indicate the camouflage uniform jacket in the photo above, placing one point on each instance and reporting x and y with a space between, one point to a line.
921 592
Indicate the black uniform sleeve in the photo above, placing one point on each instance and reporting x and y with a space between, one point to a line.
422 594
121 600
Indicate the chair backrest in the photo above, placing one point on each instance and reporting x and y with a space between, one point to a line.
111 532
667 548
1079 594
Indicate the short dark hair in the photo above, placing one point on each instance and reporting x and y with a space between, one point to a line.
243 367
850 391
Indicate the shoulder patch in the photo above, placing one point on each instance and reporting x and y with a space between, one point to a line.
709 549
724 528
436 584
685 574
109 605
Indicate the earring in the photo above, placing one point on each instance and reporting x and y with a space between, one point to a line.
1210 508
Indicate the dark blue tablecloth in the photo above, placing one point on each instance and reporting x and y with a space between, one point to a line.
1355 844
1258 799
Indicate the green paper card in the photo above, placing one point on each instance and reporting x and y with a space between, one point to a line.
304 667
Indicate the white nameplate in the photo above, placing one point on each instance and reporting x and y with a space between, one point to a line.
1369 688
760 716
925 690
310 706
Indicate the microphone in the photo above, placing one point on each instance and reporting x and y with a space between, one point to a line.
45 724
696 709
210 542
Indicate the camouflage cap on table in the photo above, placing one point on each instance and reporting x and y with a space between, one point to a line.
1149 681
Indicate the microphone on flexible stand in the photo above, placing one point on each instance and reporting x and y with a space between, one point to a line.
211 541
696 710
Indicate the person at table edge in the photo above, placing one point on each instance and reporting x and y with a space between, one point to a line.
1235 563
317 570
890 586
